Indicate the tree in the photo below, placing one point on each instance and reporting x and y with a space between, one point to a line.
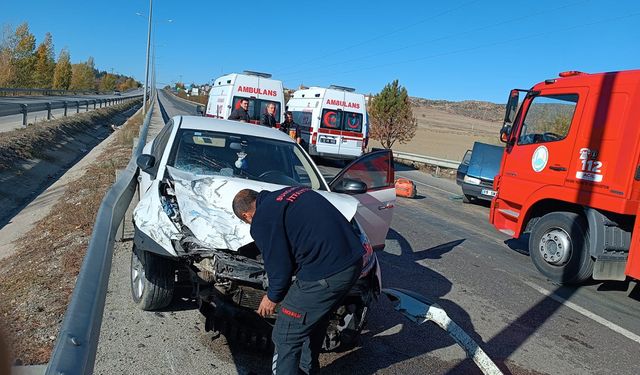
391 116
62 72
83 76
44 63
23 56
7 71
108 82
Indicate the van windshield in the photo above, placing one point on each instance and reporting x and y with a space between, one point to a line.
257 107
341 120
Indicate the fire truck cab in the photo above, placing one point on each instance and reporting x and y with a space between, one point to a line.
258 88
570 175
332 121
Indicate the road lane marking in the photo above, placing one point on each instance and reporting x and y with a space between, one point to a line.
612 326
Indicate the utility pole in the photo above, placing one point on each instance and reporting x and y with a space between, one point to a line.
146 67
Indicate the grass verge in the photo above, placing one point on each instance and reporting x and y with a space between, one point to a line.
37 281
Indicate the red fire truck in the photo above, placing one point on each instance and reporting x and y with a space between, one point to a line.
570 175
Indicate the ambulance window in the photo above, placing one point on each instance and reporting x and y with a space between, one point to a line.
236 105
352 122
548 119
302 118
331 119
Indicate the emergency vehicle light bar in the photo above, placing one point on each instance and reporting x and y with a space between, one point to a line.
343 88
252 73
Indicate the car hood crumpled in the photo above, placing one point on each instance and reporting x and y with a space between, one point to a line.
205 204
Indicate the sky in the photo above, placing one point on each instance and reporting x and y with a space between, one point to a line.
450 50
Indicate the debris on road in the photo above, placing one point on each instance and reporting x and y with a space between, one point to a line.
405 188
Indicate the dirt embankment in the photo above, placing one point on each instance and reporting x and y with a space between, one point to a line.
33 158
37 281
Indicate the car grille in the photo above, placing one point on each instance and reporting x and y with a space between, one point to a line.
248 297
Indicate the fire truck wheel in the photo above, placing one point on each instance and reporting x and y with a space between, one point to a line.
559 248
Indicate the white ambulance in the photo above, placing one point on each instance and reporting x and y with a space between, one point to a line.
333 121
258 88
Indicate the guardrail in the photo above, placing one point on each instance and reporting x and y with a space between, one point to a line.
75 349
14 91
9 109
429 160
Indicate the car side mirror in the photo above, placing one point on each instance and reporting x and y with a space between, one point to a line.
350 186
145 162
200 110
505 132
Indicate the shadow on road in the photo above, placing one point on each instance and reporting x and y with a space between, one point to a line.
392 344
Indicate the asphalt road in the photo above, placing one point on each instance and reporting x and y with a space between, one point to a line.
8 123
441 248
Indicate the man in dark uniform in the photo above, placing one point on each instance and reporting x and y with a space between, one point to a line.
290 128
241 114
268 118
300 234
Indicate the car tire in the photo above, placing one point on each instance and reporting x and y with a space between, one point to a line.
559 248
466 198
152 280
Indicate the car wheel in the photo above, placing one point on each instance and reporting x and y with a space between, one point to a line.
466 198
152 280
559 248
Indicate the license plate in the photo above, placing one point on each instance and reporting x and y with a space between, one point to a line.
328 140
488 192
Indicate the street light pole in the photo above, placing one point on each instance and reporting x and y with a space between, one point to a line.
146 67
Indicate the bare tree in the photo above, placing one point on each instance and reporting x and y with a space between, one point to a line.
391 116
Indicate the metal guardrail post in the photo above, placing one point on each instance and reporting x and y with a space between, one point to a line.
86 106
66 105
77 106
23 107
48 110
94 103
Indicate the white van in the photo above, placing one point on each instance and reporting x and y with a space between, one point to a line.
333 121
258 88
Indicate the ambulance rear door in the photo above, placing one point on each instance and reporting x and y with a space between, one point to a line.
329 131
352 127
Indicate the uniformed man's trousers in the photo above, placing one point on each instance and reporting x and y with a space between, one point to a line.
303 317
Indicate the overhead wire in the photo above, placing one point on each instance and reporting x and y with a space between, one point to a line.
531 36
381 36
445 37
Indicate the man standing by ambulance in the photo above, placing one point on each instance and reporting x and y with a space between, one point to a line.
301 234
241 113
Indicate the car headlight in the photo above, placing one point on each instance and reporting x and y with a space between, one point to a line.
472 180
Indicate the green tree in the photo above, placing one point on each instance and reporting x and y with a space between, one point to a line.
391 117
44 63
108 82
62 72
83 76
7 71
23 56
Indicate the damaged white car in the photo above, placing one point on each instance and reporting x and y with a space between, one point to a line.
186 232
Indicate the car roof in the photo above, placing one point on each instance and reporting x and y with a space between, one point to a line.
228 126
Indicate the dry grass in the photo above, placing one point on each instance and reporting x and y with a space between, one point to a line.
19 145
36 283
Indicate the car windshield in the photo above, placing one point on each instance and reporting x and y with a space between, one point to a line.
235 155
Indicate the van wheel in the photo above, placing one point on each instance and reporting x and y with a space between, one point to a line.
152 280
559 248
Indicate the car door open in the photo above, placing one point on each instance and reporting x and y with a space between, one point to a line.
375 211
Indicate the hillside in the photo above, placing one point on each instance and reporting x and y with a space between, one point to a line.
447 129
